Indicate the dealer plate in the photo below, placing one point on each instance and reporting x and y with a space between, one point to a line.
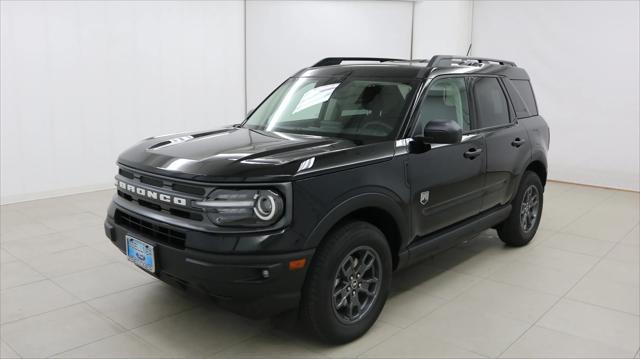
141 254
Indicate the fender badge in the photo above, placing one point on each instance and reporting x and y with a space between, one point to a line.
424 197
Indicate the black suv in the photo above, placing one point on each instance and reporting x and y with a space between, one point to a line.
345 173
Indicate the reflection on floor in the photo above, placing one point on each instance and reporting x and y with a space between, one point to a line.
574 292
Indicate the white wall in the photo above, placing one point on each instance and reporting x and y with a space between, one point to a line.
583 61
81 81
441 28
285 36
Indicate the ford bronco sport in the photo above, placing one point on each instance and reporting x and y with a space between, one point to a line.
345 173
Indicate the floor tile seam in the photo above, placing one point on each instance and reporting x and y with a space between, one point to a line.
41 220
130 332
24 284
593 238
84 344
120 330
111 261
571 335
255 335
76 303
562 297
66 306
593 207
81 245
46 277
78 299
443 301
10 347
602 306
165 318
141 325
361 355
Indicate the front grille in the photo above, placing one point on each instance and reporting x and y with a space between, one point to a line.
125 173
153 206
188 189
151 181
161 234
160 183
156 207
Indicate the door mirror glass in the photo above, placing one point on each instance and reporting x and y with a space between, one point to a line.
442 131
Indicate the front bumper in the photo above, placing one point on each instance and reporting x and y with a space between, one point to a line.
237 281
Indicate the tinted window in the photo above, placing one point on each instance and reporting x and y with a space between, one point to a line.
446 99
491 104
519 106
526 92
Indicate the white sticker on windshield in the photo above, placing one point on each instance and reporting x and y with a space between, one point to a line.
315 96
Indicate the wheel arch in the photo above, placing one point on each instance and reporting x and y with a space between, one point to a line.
377 209
539 168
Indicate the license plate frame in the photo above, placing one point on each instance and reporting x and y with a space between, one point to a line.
141 253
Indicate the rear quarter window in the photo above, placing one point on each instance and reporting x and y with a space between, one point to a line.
491 104
523 93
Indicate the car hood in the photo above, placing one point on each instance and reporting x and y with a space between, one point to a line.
229 154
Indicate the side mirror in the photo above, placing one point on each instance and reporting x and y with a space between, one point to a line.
442 131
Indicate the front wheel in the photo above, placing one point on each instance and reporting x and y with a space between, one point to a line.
348 282
521 225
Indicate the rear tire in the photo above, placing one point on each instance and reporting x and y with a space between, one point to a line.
348 283
521 225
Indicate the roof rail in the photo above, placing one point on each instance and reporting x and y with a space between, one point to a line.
450 59
338 60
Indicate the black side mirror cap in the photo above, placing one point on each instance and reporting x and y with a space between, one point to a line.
442 131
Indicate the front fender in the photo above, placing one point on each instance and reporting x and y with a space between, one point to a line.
386 202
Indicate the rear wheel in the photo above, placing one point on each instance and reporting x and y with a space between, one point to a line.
521 225
348 282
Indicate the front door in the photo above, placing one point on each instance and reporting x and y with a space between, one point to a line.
447 181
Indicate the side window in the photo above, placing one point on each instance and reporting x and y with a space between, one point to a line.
518 103
445 99
491 104
526 92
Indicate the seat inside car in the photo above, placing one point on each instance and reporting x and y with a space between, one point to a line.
385 103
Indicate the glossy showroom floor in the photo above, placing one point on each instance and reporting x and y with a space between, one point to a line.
574 292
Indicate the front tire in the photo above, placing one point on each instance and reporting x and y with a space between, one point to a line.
523 221
348 282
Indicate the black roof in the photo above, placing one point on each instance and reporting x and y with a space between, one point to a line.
399 68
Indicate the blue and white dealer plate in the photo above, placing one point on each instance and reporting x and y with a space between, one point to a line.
141 254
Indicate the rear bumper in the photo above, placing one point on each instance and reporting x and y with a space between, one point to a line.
236 281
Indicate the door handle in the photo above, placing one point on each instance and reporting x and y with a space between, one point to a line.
517 142
473 153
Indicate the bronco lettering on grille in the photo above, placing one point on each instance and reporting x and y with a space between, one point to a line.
152 194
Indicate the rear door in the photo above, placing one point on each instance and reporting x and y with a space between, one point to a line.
507 142
446 181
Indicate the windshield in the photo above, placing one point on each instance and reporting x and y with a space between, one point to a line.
354 108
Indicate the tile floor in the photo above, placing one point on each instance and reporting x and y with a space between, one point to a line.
574 292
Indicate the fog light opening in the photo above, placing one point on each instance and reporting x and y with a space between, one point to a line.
266 274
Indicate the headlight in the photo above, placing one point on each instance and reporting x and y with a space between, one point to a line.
243 208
